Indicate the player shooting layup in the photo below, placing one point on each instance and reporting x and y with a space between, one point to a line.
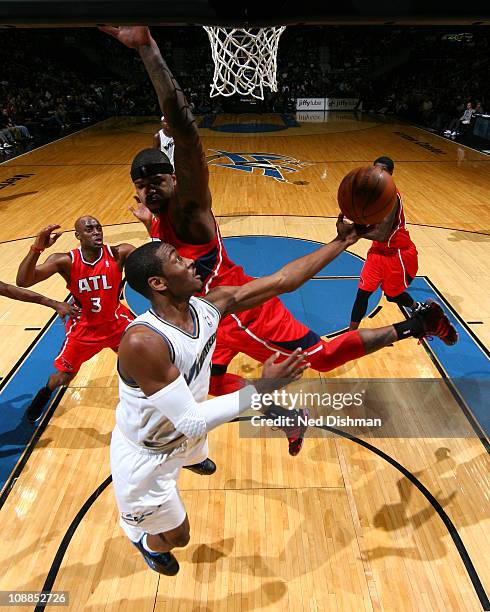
164 368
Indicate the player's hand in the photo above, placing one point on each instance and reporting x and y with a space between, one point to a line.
131 36
142 213
350 232
47 237
67 310
279 374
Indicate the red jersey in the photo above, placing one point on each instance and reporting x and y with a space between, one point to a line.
96 287
399 237
212 262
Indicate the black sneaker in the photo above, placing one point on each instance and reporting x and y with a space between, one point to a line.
205 468
163 563
436 322
38 404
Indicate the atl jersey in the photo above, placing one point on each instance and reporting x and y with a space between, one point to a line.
212 262
96 287
399 236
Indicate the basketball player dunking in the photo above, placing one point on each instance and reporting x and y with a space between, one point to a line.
163 141
391 261
181 206
163 417
93 275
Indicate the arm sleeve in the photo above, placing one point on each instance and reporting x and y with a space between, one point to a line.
194 419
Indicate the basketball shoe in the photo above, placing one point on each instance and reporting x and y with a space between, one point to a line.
163 563
292 427
435 323
205 468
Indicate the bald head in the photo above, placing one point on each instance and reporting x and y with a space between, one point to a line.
89 231
81 222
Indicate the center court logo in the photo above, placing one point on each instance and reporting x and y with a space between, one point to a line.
267 164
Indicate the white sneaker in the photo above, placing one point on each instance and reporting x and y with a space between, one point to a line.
447 131
453 133
7 145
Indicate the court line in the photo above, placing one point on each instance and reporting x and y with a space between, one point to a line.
231 216
252 215
455 392
310 161
451 528
31 445
458 144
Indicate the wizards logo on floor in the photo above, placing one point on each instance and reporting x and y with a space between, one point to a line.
266 164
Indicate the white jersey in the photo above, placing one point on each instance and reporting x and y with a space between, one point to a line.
137 417
167 145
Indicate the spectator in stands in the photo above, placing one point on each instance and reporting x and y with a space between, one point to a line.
21 130
464 120
479 110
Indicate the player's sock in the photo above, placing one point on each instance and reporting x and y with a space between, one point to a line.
161 562
411 328
146 546
36 407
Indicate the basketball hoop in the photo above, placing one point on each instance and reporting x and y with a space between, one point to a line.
245 60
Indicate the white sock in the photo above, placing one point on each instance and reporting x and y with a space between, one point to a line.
146 546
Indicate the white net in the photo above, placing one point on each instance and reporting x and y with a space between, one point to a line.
245 60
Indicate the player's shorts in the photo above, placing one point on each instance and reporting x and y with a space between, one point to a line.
272 328
81 342
145 484
393 272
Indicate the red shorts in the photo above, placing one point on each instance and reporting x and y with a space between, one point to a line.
272 328
82 342
391 271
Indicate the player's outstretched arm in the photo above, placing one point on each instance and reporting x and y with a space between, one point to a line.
289 277
24 295
29 273
190 162
144 357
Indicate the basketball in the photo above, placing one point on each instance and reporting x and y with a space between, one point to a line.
366 195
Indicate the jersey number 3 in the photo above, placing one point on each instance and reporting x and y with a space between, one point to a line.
96 307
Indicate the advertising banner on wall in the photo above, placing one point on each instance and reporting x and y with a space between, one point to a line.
340 103
310 104
326 104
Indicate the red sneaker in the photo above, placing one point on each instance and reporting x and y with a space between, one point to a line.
295 432
436 323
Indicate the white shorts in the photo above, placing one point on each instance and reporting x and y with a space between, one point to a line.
145 484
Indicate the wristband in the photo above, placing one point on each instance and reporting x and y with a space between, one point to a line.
36 249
